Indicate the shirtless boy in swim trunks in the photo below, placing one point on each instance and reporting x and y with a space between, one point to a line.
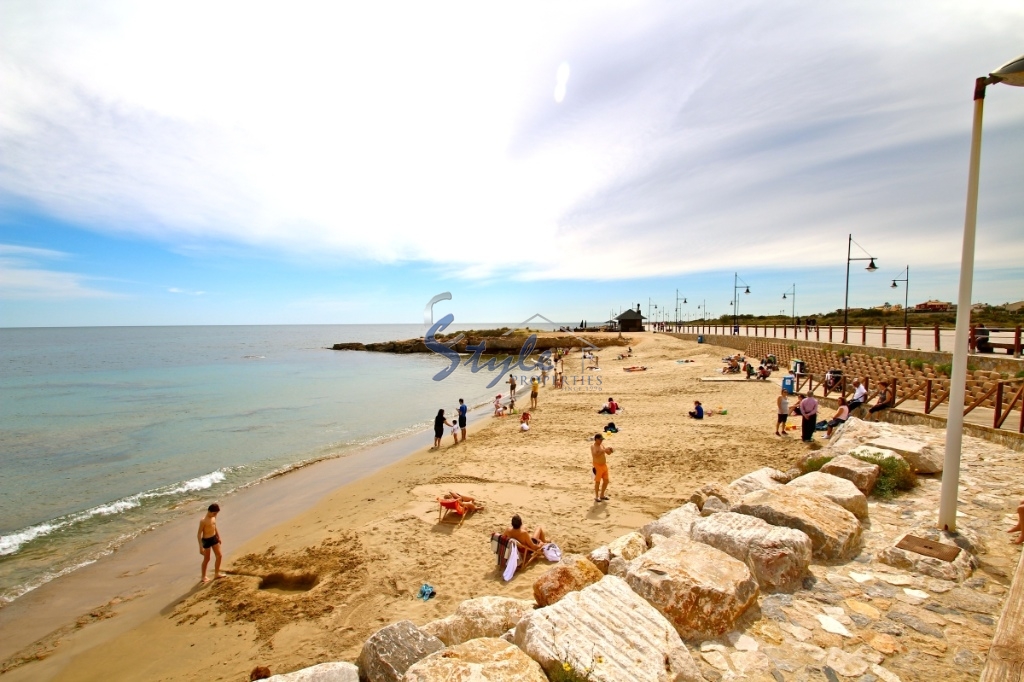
598 451
209 538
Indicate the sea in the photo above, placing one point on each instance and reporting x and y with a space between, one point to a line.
107 432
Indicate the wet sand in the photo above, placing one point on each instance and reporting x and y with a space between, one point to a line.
369 544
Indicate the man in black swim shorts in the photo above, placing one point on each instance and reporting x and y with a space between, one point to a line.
209 538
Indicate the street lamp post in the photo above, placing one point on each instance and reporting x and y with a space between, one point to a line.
793 292
1011 73
906 292
870 268
736 300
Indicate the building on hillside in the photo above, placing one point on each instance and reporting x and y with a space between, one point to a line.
934 307
1014 307
631 320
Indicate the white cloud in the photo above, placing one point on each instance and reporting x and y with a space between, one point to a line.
23 278
696 136
176 290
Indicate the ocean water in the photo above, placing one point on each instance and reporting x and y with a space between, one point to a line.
107 431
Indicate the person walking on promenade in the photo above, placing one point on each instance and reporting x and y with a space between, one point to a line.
209 539
809 413
782 412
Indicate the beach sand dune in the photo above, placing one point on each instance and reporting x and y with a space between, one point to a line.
356 561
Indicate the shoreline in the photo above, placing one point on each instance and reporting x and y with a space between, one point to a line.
158 563
372 540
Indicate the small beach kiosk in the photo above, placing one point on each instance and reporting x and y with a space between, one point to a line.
631 321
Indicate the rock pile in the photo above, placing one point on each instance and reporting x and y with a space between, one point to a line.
731 577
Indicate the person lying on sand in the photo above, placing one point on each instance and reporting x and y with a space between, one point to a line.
531 542
468 503
209 538
1020 525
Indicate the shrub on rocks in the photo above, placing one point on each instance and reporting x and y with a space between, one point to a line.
895 473
862 474
572 573
701 590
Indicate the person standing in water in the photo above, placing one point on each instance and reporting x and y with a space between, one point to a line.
209 539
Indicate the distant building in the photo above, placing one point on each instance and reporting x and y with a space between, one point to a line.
1014 307
933 307
631 320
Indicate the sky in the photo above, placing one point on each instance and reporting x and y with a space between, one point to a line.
323 163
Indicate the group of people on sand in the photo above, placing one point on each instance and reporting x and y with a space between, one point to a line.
805 406
457 426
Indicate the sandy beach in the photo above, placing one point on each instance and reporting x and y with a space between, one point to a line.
369 545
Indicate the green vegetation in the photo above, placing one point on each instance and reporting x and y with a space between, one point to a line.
991 316
815 463
945 368
896 474
1019 375
916 363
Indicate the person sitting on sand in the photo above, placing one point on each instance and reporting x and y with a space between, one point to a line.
1020 525
763 373
530 542
840 417
524 422
611 408
698 410
209 538
598 453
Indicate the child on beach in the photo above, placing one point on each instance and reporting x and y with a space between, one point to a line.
524 422
698 410
512 406
498 410
209 538
455 432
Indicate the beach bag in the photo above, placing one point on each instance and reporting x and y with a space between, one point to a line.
551 552
821 426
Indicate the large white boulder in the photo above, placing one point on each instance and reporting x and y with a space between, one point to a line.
478 660
778 557
390 651
325 672
762 479
572 573
701 590
923 458
480 617
861 474
853 433
609 630
675 522
834 532
839 490
628 546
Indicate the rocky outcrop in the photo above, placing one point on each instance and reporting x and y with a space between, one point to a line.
957 570
572 573
609 630
839 490
390 651
325 672
834 532
862 474
480 617
762 479
777 557
478 660
713 505
922 457
628 546
675 522
699 589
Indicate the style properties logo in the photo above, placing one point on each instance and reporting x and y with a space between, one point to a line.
516 358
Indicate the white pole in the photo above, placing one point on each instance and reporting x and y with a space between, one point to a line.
958 377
